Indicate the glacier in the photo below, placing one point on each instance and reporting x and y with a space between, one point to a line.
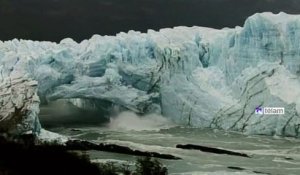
195 76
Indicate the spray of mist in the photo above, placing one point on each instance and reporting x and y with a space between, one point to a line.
131 121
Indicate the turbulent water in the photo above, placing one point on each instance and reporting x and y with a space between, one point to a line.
270 155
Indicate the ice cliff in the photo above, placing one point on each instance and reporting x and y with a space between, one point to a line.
195 76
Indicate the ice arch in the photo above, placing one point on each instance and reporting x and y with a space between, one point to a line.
196 76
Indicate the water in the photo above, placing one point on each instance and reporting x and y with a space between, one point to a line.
270 155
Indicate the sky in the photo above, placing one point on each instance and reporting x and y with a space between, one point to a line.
53 20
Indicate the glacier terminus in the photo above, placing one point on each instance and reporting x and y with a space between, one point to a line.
195 76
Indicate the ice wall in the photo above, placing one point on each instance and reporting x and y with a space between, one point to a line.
196 76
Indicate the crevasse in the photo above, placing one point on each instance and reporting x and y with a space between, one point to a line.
195 76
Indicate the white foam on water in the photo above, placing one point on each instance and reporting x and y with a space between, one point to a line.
49 136
109 160
214 173
280 160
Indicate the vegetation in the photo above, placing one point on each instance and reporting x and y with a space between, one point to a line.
150 166
23 157
143 166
